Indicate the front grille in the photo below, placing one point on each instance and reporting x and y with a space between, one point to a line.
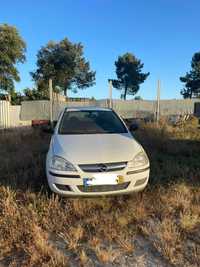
64 175
103 167
103 188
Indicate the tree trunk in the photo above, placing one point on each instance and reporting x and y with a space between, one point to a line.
65 92
125 91
190 95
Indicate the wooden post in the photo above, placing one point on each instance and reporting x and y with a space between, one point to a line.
51 101
9 98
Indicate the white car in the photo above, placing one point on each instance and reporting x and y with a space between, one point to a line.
92 152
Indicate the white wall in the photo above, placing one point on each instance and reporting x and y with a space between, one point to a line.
40 110
15 117
4 114
10 116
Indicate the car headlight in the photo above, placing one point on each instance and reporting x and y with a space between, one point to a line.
139 160
61 164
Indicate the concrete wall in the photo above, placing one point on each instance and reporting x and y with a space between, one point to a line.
40 109
15 117
128 109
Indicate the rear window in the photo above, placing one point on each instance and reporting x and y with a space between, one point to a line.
91 122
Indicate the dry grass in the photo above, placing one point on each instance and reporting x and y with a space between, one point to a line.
38 228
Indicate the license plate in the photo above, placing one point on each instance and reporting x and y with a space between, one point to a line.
103 179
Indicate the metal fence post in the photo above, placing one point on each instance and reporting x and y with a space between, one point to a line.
110 93
158 103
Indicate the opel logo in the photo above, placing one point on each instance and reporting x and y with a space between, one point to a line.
102 167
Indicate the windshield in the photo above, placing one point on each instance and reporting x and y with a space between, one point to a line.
91 122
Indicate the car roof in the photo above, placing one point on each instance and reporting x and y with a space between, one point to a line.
86 108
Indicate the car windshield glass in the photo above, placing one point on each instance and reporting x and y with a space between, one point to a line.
91 122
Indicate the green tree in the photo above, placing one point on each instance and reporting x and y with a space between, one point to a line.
65 64
12 51
129 74
16 98
192 79
34 94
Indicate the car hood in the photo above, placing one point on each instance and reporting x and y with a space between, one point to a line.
95 148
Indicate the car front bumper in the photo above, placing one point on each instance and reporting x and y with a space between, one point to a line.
71 184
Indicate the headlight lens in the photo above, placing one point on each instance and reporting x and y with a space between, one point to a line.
60 164
139 160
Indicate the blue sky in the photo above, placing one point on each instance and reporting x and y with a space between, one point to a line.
164 34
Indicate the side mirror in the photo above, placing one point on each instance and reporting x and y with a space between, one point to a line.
54 124
133 127
49 128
